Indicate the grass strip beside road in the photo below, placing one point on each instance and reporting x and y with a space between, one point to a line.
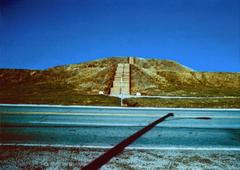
63 98
185 103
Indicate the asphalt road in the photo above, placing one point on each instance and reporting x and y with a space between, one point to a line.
105 127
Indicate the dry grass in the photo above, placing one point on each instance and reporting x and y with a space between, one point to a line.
192 103
76 84
160 77
81 83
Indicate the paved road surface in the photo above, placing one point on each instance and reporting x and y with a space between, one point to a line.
105 127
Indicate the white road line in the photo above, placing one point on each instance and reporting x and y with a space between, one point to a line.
115 107
118 114
64 124
128 148
86 124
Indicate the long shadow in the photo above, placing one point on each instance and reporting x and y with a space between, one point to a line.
103 159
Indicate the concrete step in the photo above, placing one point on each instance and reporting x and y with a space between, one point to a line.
121 83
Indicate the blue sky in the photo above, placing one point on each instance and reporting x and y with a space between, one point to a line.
201 34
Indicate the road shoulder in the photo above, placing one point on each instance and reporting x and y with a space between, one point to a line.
73 158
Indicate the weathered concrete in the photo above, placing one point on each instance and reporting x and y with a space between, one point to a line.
121 83
131 60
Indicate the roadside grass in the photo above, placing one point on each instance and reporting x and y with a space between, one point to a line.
61 99
192 103
195 91
60 96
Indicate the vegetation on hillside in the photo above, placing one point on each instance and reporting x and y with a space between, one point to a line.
68 84
80 84
156 78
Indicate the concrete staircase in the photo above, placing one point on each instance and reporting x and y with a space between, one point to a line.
121 83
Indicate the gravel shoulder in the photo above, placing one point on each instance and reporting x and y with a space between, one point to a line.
74 158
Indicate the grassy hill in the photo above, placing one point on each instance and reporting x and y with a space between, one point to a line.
163 77
68 84
80 83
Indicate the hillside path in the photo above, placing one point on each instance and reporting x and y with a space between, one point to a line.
121 83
